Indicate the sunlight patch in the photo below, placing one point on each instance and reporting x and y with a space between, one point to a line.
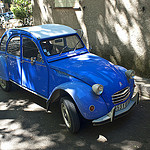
11 104
136 39
34 107
16 136
122 33
128 145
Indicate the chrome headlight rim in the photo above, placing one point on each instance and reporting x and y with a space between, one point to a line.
97 89
130 74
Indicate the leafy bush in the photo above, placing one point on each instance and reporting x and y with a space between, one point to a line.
21 9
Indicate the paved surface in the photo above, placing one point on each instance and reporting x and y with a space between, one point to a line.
143 86
25 125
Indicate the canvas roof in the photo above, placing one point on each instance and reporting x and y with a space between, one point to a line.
48 30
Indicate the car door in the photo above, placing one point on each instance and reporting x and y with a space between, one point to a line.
13 59
34 70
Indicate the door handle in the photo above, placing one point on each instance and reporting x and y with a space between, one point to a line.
22 61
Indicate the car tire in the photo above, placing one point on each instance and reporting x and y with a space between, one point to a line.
5 85
70 114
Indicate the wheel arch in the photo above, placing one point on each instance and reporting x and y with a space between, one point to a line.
82 96
56 95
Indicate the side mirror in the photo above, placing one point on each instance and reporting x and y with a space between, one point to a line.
90 48
33 60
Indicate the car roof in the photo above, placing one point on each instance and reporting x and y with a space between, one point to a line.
48 30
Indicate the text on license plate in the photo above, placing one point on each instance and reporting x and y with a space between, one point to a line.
122 106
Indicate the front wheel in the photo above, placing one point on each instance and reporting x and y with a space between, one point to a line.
70 114
5 85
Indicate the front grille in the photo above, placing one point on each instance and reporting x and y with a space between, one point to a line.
121 95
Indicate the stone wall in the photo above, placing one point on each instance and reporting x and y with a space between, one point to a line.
116 30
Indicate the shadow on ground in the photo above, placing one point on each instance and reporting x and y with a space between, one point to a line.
24 124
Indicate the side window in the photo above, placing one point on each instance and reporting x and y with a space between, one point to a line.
3 43
14 46
53 47
30 49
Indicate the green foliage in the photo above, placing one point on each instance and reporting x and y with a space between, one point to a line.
21 9
7 1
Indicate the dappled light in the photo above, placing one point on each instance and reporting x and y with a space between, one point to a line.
123 18
122 34
34 107
20 105
79 15
15 133
18 138
48 31
116 30
45 9
130 145
26 125
143 86
85 57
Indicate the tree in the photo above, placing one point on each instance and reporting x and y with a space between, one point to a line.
21 9
7 1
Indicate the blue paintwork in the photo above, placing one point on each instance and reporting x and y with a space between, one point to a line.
14 68
92 69
74 72
83 100
3 67
35 77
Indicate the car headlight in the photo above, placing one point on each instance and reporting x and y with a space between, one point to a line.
97 89
130 74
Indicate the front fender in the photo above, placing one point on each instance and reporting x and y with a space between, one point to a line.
3 68
84 97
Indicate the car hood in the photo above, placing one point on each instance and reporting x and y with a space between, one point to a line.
93 69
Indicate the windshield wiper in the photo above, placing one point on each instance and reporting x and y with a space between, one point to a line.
78 41
63 50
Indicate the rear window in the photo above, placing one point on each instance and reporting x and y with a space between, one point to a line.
14 46
3 43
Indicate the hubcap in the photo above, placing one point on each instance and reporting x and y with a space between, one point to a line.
66 116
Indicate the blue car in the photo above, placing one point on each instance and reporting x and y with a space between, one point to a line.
52 62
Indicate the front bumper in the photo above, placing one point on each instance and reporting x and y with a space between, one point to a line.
116 114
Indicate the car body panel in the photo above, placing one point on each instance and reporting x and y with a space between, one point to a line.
84 101
48 31
92 69
116 114
3 66
35 76
14 68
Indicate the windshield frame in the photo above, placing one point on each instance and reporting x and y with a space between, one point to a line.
65 52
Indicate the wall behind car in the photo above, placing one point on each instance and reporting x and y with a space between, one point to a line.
116 30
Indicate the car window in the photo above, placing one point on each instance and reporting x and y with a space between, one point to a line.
60 45
14 46
72 41
30 49
3 43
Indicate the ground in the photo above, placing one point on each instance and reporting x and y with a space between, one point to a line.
25 125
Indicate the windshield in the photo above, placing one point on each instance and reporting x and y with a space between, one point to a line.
61 45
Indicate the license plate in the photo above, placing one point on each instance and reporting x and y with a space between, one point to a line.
122 106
